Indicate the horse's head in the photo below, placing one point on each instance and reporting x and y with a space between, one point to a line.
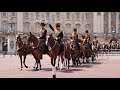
18 39
31 38
50 38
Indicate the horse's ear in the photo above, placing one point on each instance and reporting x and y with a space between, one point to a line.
30 33
51 34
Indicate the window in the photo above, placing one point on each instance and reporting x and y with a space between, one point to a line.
78 26
58 15
47 15
98 13
26 27
77 15
37 27
4 26
87 16
26 14
37 15
12 13
68 15
4 14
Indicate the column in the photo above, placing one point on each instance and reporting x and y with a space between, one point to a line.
95 25
20 21
109 22
117 22
102 23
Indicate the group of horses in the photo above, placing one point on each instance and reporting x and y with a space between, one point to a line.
35 46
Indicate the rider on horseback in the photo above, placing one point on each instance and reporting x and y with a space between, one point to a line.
43 33
87 36
82 39
58 35
95 41
74 37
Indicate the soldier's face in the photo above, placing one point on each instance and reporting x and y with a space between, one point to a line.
43 27
58 28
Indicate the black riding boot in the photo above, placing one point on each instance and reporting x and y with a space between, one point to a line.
61 48
46 49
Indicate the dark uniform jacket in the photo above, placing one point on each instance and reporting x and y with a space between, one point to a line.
43 34
59 36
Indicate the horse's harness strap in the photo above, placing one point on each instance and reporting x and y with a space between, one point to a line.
21 46
53 46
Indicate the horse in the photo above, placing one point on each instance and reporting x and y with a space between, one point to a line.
23 50
67 52
87 50
38 47
54 51
75 52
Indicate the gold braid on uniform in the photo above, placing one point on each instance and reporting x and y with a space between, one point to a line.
74 36
56 33
41 32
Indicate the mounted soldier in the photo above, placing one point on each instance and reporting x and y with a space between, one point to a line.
43 34
87 36
58 35
74 37
82 39
95 41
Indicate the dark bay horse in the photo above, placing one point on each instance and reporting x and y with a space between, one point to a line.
38 46
54 51
75 52
87 50
67 52
24 50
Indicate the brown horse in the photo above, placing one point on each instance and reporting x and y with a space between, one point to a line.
38 46
67 52
54 51
23 50
75 53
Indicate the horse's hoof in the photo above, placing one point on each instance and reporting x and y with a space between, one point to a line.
33 67
26 66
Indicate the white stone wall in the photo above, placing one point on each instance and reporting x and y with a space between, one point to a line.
95 23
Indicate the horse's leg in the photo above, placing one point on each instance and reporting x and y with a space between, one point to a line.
58 60
35 59
35 64
24 61
53 67
62 61
40 61
21 60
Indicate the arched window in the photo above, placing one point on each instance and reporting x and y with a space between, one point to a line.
68 28
4 26
78 26
26 27
37 27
